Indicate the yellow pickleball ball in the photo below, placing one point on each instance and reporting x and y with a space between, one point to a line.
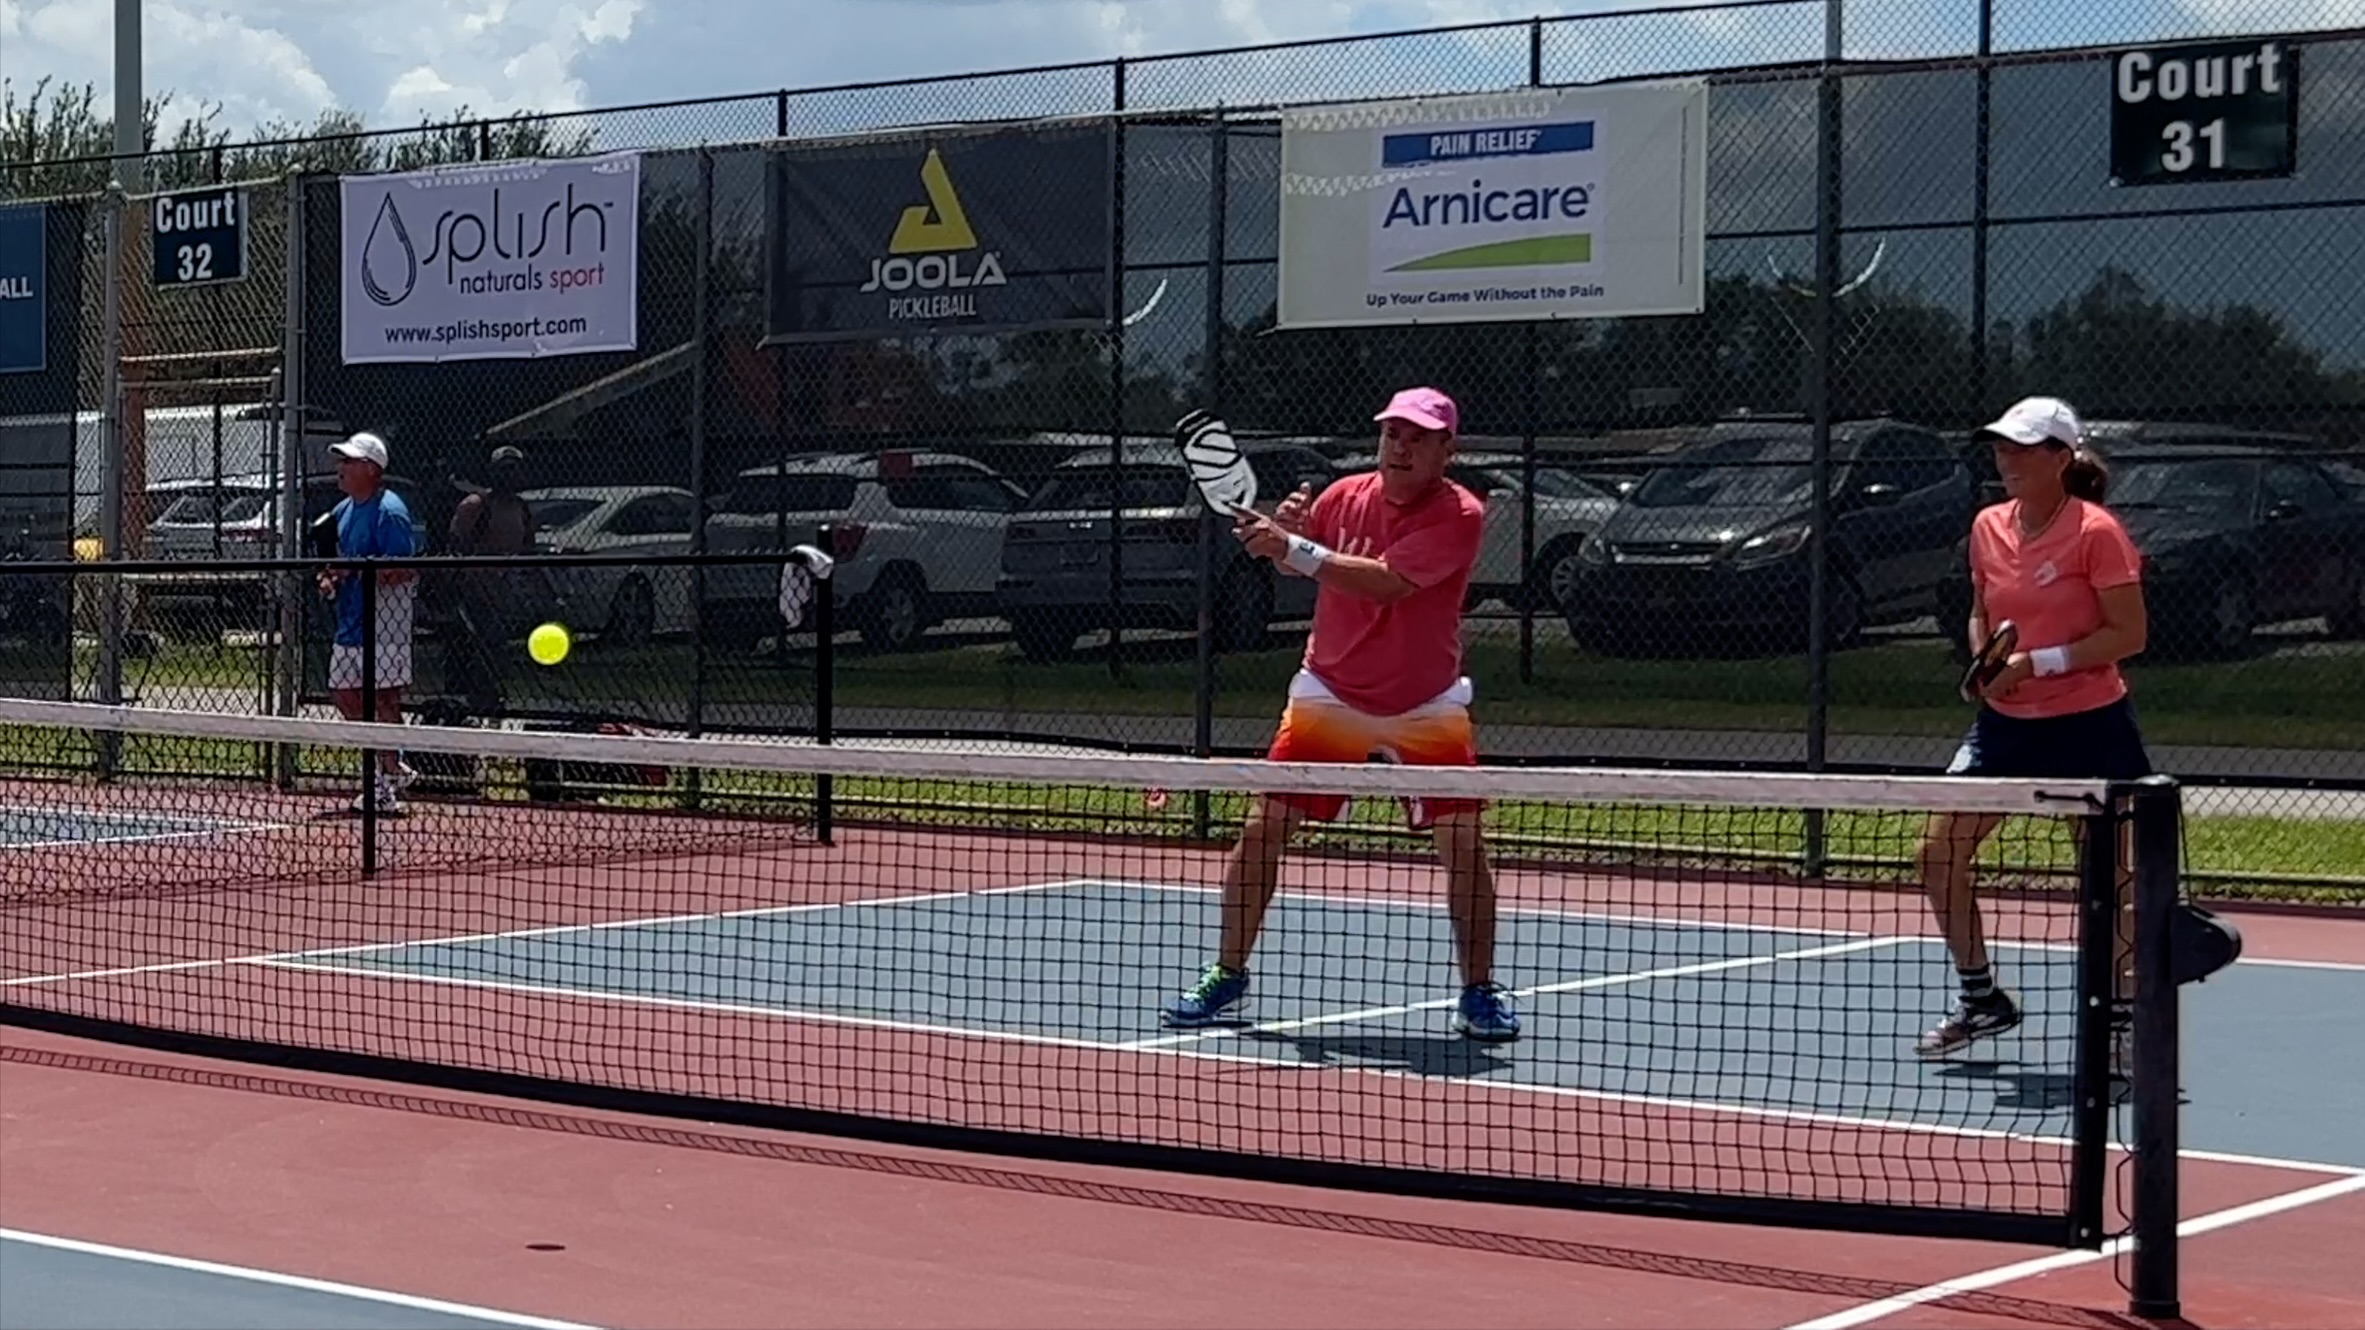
548 644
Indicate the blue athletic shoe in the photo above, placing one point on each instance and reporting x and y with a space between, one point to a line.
1485 1014
1217 991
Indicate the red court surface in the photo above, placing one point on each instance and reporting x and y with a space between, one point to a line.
666 1224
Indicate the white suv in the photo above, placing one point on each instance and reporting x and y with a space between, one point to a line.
917 536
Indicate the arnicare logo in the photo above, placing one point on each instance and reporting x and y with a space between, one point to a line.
934 254
1517 197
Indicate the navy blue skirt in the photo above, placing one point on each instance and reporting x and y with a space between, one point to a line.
2102 744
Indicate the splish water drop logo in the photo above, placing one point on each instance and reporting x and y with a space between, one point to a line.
389 262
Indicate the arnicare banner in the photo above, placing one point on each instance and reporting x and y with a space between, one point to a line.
1550 203
508 260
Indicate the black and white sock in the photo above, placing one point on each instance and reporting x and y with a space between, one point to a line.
1979 984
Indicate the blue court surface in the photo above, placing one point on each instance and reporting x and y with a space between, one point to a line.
1730 1017
24 828
60 1284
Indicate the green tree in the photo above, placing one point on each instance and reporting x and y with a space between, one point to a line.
2118 348
55 140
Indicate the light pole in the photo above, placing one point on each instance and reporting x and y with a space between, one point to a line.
130 115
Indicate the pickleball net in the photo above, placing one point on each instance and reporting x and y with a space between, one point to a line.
972 948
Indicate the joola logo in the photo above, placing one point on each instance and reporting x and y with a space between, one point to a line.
930 253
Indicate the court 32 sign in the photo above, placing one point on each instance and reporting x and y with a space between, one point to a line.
2204 112
198 237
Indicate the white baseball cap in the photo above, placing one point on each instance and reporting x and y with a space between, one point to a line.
364 447
2038 420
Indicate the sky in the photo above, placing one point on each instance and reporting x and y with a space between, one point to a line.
393 63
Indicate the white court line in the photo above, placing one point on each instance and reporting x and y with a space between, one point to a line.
1656 920
552 930
406 1300
1566 986
217 829
1704 1107
1869 1312
1062 884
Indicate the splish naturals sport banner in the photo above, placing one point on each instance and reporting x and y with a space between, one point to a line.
492 261
1542 203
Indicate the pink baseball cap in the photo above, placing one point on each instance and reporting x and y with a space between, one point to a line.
1425 407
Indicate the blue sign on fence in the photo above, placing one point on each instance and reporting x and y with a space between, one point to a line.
24 289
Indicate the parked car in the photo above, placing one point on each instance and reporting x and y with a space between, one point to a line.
1714 540
917 536
1055 562
2235 537
1569 509
235 519
627 605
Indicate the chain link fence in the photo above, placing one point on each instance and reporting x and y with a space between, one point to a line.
1911 223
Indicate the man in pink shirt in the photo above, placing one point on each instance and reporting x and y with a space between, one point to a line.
1391 551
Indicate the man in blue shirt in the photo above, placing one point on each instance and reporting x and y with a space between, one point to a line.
372 522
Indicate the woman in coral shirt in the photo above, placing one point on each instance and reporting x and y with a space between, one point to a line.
2055 562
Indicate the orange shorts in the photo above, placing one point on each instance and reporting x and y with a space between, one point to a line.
1318 728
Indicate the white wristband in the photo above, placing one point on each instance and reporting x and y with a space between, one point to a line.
2050 660
1304 556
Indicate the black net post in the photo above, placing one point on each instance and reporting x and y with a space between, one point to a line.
2157 816
368 574
2099 833
825 654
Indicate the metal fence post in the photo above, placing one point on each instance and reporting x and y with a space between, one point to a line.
290 461
113 479
1212 390
1983 146
1530 407
1820 375
701 336
1117 374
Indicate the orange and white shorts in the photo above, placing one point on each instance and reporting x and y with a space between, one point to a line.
1317 727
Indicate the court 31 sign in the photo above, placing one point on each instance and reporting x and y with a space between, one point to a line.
198 237
2202 112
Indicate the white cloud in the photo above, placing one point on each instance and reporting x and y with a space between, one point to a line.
393 62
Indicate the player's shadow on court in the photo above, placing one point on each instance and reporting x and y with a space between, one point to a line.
1423 1055
2017 1087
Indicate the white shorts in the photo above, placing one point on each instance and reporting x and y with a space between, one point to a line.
394 666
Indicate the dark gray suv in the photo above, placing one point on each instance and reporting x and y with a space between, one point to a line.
1709 552
1054 586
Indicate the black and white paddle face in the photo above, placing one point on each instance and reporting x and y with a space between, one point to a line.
1217 467
1992 657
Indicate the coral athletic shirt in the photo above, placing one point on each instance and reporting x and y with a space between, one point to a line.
1386 659
2047 584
